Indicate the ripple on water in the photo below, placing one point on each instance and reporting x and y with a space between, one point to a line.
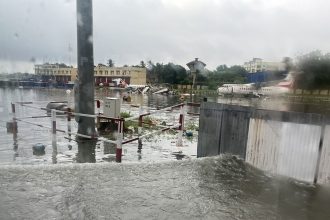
199 188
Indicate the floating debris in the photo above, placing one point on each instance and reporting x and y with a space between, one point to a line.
38 149
189 133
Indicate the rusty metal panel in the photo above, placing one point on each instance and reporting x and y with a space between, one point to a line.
298 151
263 142
324 168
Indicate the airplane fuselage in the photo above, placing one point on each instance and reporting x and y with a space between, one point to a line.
249 89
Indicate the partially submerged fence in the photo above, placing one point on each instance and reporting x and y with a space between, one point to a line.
293 144
119 142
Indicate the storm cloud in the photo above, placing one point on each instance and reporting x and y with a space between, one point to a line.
128 31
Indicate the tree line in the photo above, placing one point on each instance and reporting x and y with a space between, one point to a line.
310 71
176 74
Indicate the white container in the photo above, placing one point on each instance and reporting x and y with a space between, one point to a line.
111 107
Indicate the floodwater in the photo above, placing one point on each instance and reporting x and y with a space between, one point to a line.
162 181
18 150
208 188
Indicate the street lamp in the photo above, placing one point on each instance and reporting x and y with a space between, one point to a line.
195 66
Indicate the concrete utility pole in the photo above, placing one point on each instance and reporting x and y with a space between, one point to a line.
84 102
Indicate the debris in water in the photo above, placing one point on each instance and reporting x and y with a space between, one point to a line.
189 133
38 149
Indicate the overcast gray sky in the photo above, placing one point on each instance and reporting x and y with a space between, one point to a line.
128 31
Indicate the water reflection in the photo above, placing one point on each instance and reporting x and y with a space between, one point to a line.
109 148
15 145
54 153
86 151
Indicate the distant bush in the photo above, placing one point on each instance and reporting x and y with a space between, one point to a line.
125 114
224 74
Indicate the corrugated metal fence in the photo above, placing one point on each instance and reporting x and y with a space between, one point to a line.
292 144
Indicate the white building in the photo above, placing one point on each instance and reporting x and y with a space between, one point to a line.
258 65
57 72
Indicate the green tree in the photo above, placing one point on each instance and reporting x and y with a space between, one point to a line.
222 67
224 74
111 63
166 73
314 69
288 64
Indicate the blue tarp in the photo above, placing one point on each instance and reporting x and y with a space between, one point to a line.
264 76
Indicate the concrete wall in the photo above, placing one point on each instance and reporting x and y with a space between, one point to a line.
292 144
321 92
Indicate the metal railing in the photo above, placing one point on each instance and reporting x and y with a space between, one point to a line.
119 142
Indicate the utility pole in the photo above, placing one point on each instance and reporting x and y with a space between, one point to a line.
195 66
84 102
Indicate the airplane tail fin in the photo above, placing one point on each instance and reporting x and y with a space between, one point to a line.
123 83
288 81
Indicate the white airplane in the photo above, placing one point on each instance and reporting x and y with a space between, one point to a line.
252 90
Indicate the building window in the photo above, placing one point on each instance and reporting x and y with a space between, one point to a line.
117 72
112 72
100 72
106 72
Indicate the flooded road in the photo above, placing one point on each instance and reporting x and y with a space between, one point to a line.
153 184
18 150
208 188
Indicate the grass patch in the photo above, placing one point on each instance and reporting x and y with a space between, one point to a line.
192 126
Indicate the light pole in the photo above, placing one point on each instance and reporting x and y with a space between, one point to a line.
195 66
